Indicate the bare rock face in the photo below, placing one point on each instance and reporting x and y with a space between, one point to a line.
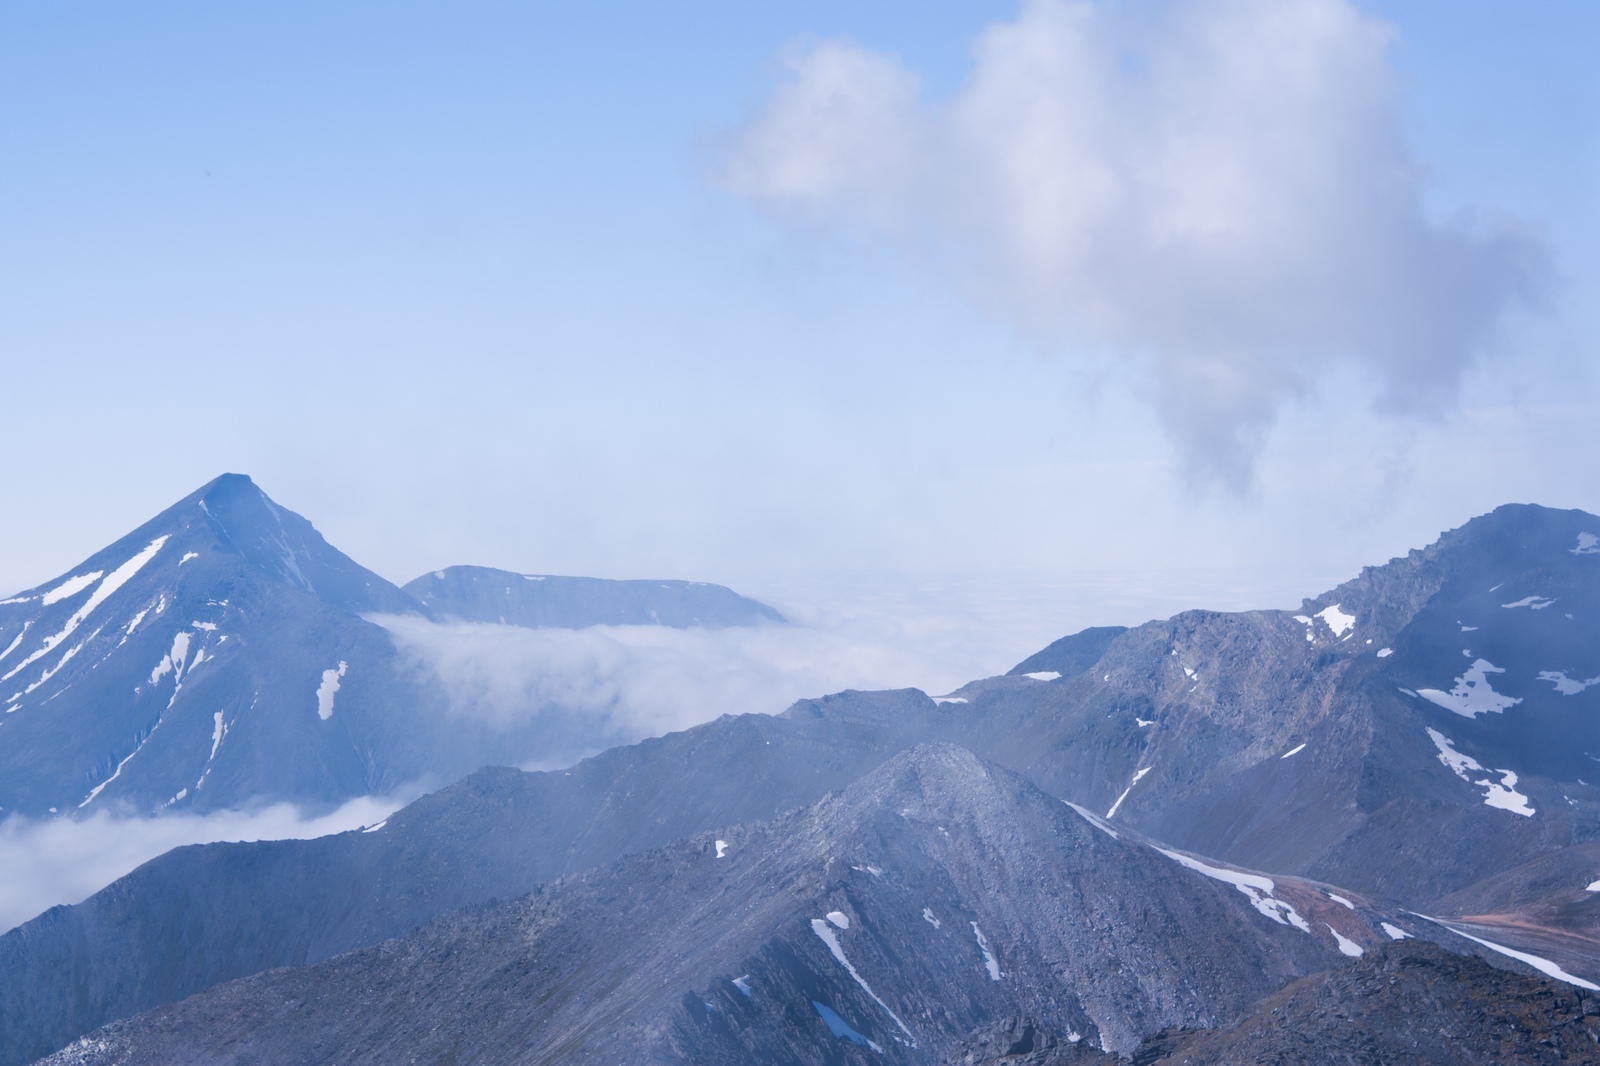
1411 1003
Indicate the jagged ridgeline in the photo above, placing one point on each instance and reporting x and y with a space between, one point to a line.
222 654
1261 797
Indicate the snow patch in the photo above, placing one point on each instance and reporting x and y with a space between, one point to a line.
71 587
1502 794
927 915
742 984
1588 544
948 699
375 828
1395 932
722 848
1538 603
1384 653
839 918
187 556
1337 620
1296 750
1137 775
1565 685
1044 675
1346 945
219 729
841 1028
989 961
1472 694
1592 886
1258 888
1341 900
326 690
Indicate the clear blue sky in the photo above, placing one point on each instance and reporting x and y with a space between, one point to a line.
461 283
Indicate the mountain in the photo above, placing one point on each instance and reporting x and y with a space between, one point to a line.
883 923
212 657
482 594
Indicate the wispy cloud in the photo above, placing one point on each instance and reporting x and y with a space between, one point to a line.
63 860
1217 191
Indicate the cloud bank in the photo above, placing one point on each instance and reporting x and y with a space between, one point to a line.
567 693
1218 191
65 860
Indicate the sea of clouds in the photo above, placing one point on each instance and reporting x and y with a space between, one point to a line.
584 690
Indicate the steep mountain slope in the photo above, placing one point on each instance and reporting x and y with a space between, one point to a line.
482 594
1409 733
881 924
205 914
1408 1003
211 657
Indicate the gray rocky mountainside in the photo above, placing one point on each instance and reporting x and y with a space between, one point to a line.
483 594
881 924
1409 1003
1277 740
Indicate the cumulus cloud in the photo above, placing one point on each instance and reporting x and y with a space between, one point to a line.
1218 191
50 861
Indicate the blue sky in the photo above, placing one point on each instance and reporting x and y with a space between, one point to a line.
470 283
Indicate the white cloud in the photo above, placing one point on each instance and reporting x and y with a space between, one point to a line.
50 861
1218 191
576 691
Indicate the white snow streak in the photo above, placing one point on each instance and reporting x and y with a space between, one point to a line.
831 939
1256 887
1127 790
1044 675
20 634
927 916
1538 603
1502 794
1544 966
989 961
1296 750
113 581
1395 932
71 587
1341 900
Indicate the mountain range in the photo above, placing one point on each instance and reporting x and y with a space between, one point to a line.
224 654
1133 844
